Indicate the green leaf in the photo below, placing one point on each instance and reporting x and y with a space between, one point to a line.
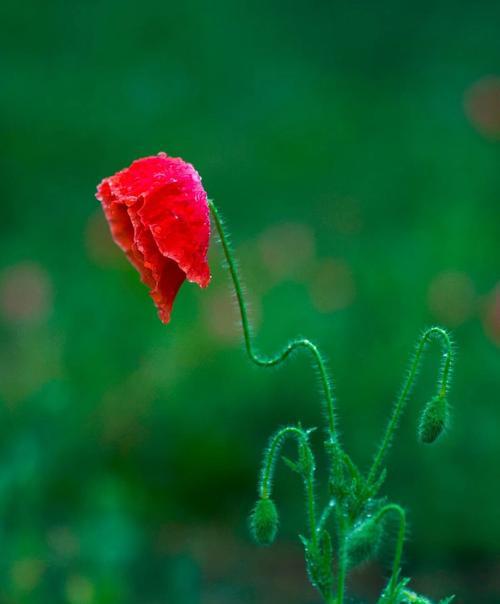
306 462
319 562
394 593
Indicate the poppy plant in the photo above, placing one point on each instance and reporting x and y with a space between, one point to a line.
158 214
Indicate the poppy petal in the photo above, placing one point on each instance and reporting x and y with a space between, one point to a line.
158 214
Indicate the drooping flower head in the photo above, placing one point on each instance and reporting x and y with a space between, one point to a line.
158 214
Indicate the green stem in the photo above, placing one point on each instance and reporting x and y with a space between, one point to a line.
306 470
311 506
341 558
393 507
271 455
263 361
443 384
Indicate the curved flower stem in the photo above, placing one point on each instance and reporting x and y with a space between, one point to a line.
271 456
263 361
443 384
393 507
306 466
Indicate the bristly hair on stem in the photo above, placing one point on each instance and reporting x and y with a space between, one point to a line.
352 513
292 346
443 385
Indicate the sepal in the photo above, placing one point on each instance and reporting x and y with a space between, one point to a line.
434 419
264 521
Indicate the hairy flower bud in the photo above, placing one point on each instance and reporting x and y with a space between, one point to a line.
434 419
364 541
264 521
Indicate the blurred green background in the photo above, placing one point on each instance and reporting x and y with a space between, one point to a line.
354 149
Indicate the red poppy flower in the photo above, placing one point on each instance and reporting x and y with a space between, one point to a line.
158 214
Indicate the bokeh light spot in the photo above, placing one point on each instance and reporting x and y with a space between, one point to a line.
491 316
482 105
26 573
451 298
332 287
222 318
63 542
79 590
25 293
99 243
286 249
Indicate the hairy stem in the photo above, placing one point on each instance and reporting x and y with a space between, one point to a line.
271 361
306 465
271 455
342 558
443 385
393 507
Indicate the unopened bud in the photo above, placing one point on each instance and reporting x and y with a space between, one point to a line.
434 419
364 541
264 521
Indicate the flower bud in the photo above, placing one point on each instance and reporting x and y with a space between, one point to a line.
434 419
264 521
364 541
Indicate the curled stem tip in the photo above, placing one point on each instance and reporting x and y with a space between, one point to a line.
396 509
443 385
273 450
305 467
